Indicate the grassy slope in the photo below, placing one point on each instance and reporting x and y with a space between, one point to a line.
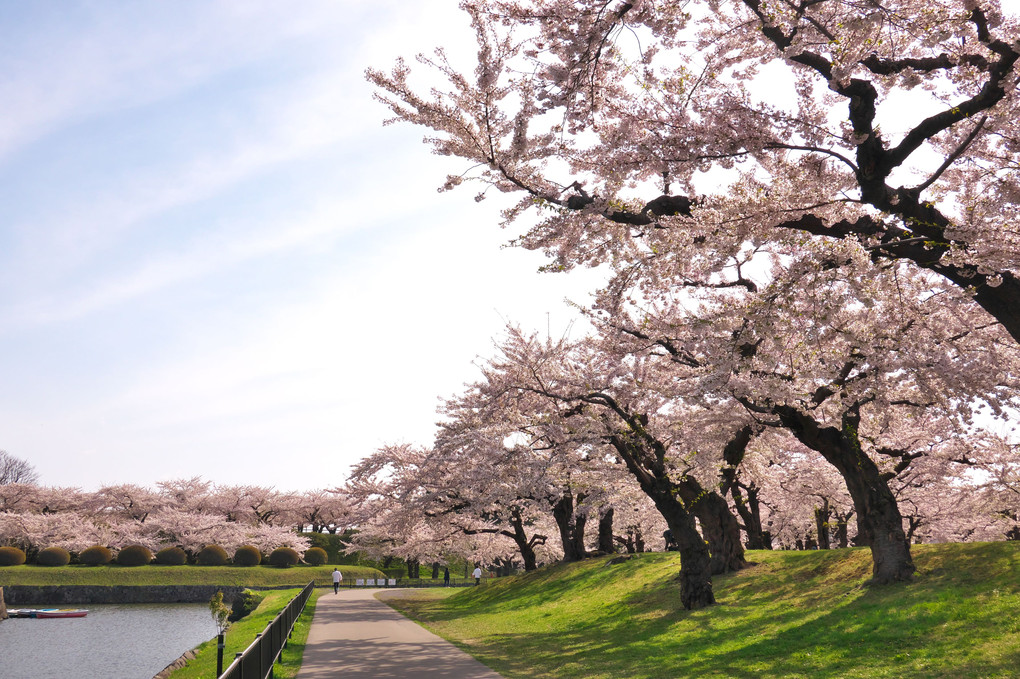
794 614
257 576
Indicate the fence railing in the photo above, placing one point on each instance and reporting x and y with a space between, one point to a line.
257 661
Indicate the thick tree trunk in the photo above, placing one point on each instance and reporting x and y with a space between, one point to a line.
525 545
878 516
571 534
822 516
580 523
606 532
749 509
435 570
695 558
718 525
842 532
695 561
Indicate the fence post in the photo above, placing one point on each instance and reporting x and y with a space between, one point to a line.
219 654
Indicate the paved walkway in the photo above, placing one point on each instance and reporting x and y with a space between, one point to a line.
353 634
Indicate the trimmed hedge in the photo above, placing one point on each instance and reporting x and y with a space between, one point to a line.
284 557
247 555
316 556
11 556
171 556
134 555
96 555
53 556
212 555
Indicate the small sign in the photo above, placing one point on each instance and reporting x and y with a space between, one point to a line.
391 582
370 582
360 582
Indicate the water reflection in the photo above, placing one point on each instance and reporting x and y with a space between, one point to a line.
129 641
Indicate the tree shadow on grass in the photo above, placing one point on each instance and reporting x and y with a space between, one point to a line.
793 615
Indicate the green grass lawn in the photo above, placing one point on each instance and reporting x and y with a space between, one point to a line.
793 614
242 633
255 576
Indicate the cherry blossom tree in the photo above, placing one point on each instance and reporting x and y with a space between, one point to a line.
191 494
260 504
321 510
422 501
891 128
17 497
881 136
126 501
592 394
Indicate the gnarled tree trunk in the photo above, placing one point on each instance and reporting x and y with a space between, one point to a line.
606 545
571 527
879 521
695 558
718 525
822 516
748 509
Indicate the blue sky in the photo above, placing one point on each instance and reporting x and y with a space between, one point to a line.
216 261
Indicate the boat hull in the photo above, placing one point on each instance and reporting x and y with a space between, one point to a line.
46 613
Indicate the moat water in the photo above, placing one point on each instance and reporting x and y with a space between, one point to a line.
114 641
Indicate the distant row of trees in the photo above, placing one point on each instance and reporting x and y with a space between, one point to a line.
188 513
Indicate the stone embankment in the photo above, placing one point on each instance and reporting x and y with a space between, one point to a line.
57 595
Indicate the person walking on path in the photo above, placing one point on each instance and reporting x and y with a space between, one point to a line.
477 574
446 577
337 577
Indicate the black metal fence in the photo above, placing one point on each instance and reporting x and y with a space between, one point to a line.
257 661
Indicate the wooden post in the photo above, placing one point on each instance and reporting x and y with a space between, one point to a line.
3 606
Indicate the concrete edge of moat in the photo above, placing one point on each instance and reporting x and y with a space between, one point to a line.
54 595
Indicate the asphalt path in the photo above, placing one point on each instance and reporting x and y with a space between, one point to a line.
355 635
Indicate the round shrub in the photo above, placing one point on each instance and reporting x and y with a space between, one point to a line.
97 555
212 555
53 556
11 556
171 556
246 555
134 555
284 557
315 556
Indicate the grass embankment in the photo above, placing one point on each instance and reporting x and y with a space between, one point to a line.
794 614
254 576
242 633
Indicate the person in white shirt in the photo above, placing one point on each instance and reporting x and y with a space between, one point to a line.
337 577
477 574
